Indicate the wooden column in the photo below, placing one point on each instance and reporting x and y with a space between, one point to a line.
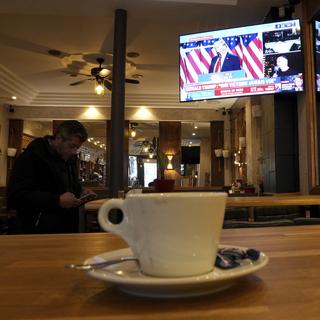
217 163
170 143
308 9
14 141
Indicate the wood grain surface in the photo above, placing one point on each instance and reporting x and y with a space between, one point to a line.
277 200
35 285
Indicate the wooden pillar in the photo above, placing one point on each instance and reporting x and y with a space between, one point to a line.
307 102
238 129
217 163
14 141
170 143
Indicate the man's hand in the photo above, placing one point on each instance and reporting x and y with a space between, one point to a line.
87 195
68 200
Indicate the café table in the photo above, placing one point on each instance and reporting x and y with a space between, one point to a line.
35 285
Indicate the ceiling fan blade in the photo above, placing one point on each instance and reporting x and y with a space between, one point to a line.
107 84
134 81
26 45
107 45
79 82
75 73
48 73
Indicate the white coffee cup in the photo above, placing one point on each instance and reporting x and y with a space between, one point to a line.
172 234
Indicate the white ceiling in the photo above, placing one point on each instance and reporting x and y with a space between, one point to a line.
29 28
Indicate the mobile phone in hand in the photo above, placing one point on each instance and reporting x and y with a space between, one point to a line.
88 197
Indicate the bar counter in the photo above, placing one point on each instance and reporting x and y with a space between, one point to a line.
249 202
254 201
35 284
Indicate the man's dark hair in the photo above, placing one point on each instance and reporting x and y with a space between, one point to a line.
71 128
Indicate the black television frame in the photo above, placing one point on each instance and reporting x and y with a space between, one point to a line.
245 95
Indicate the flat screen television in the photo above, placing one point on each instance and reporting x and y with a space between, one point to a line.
317 53
253 60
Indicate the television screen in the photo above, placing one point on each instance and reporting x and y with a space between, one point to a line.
243 61
190 155
317 53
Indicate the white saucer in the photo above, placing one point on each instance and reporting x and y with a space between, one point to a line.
128 278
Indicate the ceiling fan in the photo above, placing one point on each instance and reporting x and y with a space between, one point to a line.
102 75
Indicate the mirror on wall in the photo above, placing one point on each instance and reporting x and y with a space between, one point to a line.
143 140
91 154
34 129
195 154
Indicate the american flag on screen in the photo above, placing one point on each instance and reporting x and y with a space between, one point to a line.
195 57
252 56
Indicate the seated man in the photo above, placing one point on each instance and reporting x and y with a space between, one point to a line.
224 60
44 186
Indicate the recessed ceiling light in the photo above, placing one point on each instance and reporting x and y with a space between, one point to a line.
14 98
54 52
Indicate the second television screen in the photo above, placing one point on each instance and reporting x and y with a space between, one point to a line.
244 61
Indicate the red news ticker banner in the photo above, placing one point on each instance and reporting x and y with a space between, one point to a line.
226 89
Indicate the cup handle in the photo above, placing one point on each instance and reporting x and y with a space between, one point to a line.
103 217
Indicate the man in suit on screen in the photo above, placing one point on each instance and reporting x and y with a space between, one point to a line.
224 60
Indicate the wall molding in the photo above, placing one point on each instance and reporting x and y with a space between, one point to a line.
11 85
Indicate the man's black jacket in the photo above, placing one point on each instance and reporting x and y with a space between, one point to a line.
35 184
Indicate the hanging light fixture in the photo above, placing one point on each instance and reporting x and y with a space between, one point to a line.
99 86
133 131
145 146
151 153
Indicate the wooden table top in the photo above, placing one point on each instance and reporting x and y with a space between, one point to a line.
35 285
274 200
